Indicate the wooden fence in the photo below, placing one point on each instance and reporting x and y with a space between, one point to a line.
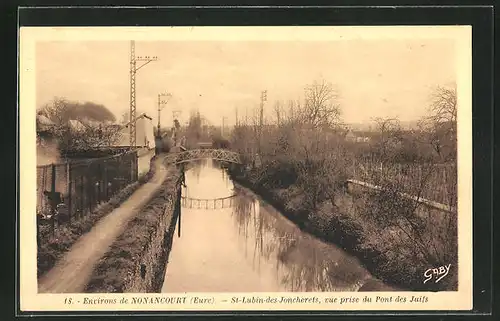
435 182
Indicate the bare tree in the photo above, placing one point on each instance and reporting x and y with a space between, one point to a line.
193 130
321 106
388 135
444 105
291 110
278 109
58 111
440 127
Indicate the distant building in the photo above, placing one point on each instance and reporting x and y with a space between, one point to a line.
356 138
145 134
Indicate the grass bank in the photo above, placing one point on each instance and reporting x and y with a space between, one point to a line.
385 252
67 235
136 260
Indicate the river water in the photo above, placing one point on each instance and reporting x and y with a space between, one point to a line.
230 241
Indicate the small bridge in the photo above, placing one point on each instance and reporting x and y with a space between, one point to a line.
198 154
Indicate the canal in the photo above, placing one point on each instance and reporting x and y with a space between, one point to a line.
231 241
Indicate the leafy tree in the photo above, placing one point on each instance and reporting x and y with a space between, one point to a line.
92 128
61 110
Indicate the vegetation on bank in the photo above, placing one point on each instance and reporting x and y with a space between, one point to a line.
300 162
387 252
67 235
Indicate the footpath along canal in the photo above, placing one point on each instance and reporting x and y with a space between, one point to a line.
228 240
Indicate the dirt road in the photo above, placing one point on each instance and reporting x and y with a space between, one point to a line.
72 273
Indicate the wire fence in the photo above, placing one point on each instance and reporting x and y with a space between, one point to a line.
69 191
435 182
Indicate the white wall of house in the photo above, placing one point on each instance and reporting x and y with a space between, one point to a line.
145 134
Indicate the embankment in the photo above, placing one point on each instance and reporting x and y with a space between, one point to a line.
136 260
67 235
357 236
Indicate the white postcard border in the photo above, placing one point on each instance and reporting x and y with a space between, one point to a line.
30 300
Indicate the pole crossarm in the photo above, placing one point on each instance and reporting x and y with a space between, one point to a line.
133 71
144 64
197 154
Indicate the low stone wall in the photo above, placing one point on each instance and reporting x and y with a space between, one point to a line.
149 274
136 261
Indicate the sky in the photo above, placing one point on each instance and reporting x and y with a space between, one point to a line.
375 78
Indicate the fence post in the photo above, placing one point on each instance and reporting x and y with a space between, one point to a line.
178 208
82 196
91 191
136 167
38 238
70 189
99 183
52 198
105 181
132 176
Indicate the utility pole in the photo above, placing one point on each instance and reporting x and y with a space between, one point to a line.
263 98
236 116
160 107
133 71
223 126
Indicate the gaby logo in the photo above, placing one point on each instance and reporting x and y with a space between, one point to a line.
438 273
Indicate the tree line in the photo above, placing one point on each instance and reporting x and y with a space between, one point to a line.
76 126
303 154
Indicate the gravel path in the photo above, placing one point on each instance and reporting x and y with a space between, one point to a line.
73 271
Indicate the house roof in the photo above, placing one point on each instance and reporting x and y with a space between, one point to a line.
75 124
42 120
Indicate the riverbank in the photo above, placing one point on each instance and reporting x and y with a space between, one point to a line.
387 260
136 260
52 251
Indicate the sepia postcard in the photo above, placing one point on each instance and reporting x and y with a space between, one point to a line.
245 168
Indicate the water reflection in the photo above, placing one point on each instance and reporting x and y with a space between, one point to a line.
207 203
249 247
303 263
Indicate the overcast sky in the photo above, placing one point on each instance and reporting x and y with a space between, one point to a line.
375 78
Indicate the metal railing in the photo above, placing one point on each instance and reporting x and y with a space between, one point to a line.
207 204
197 154
434 182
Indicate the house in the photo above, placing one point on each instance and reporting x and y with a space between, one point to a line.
145 134
43 123
356 137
